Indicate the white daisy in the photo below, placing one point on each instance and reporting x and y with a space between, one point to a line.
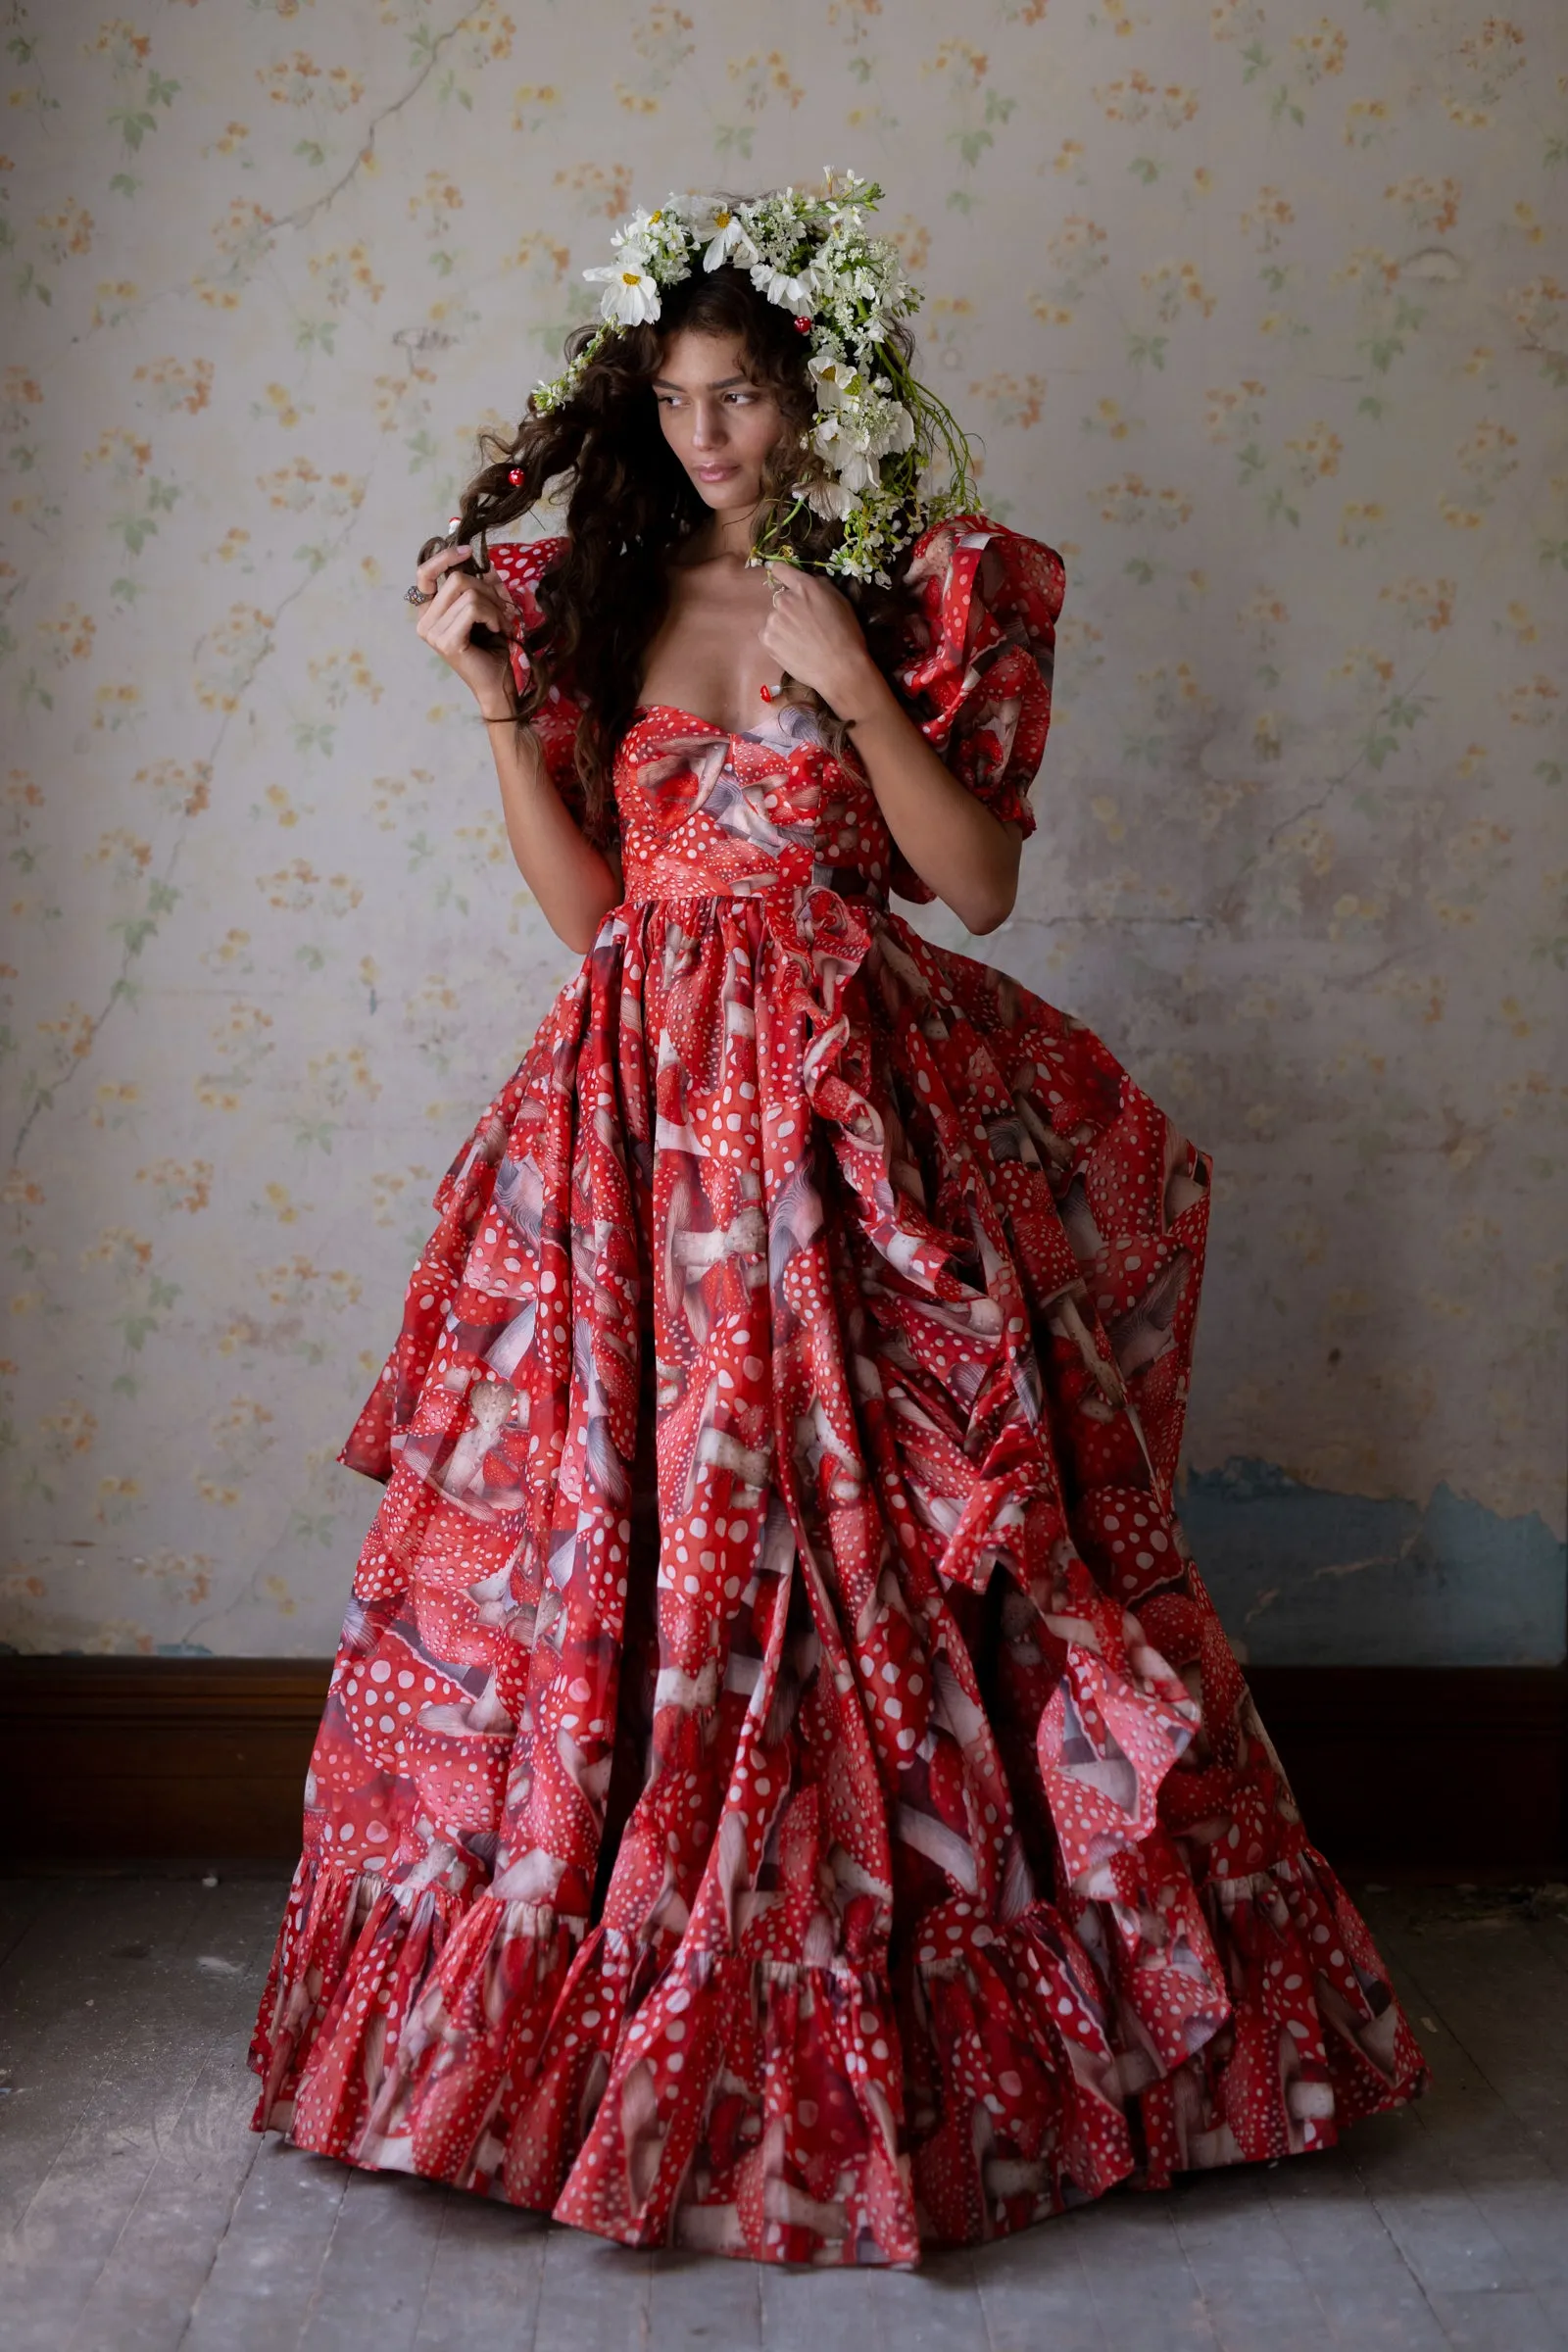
635 230
835 381
630 297
727 243
798 294
846 445
829 499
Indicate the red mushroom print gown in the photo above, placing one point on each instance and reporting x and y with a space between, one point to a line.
784 1789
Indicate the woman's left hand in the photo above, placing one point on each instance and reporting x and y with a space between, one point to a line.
814 634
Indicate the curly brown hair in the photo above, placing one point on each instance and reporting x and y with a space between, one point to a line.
630 504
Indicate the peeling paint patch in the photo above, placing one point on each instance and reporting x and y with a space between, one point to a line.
1303 1576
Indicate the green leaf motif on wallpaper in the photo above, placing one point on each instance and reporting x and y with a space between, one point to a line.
1395 718
138 526
1276 504
1387 344
142 1321
320 1529
135 121
135 930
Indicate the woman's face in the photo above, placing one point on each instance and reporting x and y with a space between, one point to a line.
720 423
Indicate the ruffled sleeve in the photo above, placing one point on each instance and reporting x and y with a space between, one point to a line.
518 565
980 647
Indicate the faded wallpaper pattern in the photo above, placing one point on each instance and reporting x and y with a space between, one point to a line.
1263 318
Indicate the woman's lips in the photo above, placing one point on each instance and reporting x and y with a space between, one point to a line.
714 474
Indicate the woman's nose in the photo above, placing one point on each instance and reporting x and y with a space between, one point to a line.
708 429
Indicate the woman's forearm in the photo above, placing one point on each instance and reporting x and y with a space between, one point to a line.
969 857
574 884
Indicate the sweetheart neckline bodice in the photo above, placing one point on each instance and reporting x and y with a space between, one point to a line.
642 711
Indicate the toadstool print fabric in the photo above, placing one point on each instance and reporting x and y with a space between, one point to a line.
784 1789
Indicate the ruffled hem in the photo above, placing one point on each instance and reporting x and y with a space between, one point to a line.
829 2112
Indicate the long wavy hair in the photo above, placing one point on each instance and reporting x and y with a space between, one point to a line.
630 504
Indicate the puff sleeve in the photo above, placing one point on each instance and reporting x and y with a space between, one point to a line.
979 650
518 565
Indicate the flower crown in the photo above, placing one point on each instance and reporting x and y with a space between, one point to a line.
878 431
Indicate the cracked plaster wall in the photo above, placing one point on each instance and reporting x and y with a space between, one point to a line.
1263 322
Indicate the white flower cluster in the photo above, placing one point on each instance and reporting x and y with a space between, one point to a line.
875 429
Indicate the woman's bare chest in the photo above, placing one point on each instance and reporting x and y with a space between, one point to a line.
707 659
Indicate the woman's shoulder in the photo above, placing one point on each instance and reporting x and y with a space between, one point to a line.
977 653
971 588
971 559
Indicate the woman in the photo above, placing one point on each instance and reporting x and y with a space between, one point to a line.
784 1788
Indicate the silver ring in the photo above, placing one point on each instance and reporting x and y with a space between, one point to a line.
418 596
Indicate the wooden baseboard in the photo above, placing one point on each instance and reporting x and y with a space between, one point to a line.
127 1756
1441 1768
1453 1767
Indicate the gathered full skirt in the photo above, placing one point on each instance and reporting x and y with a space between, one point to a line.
784 1788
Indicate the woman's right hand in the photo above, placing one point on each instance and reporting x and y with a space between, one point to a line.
459 600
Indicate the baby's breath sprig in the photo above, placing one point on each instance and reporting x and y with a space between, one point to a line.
881 439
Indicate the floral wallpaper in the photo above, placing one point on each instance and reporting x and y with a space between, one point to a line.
1262 317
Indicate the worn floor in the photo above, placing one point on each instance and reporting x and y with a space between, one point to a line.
141 2214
